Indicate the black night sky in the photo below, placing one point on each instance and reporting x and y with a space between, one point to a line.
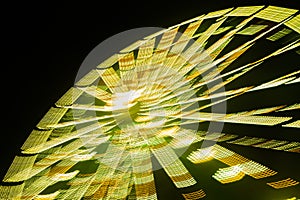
44 44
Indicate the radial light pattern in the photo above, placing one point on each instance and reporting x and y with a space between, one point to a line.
150 107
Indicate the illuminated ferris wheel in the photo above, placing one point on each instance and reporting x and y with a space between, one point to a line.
174 102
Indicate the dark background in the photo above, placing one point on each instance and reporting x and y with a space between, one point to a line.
44 44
